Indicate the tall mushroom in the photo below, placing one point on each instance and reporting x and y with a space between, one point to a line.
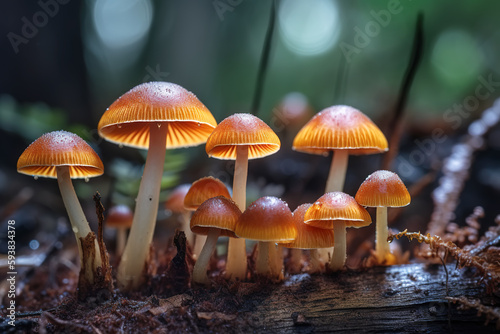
241 137
382 189
199 192
310 237
214 217
153 116
343 130
268 220
337 210
65 156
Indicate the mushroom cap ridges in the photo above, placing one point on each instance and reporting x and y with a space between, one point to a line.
217 212
175 201
337 206
267 219
128 119
203 189
242 129
383 188
119 216
60 148
340 127
309 237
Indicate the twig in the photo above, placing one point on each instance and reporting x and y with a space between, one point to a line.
396 123
264 60
492 314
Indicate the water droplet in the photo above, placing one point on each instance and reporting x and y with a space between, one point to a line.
75 230
35 177
199 124
86 179
119 126
120 145
159 125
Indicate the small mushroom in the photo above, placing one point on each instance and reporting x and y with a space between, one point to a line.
383 189
175 204
240 137
337 210
310 237
120 217
199 192
268 220
214 217
65 156
343 130
153 116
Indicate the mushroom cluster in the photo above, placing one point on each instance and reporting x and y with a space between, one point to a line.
157 116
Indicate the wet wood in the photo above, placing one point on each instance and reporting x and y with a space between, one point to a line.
409 298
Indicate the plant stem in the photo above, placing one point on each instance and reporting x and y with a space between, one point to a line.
121 239
339 255
133 262
236 266
200 267
381 244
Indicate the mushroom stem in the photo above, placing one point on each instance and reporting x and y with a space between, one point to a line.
295 261
133 262
381 244
77 219
338 169
200 267
236 266
339 255
199 242
276 261
263 258
121 239
190 237
314 261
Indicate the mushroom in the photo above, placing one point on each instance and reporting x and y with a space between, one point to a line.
120 217
199 192
175 204
214 217
65 156
241 137
343 130
309 237
268 220
382 189
337 210
153 116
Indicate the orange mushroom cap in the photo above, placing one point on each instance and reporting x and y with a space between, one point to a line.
120 216
340 127
175 201
337 206
383 188
309 237
60 148
267 219
203 189
217 212
242 129
128 119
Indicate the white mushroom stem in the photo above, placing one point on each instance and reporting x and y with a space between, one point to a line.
77 218
133 262
276 261
121 239
382 247
338 169
200 267
236 266
263 258
190 236
339 255
314 261
199 242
